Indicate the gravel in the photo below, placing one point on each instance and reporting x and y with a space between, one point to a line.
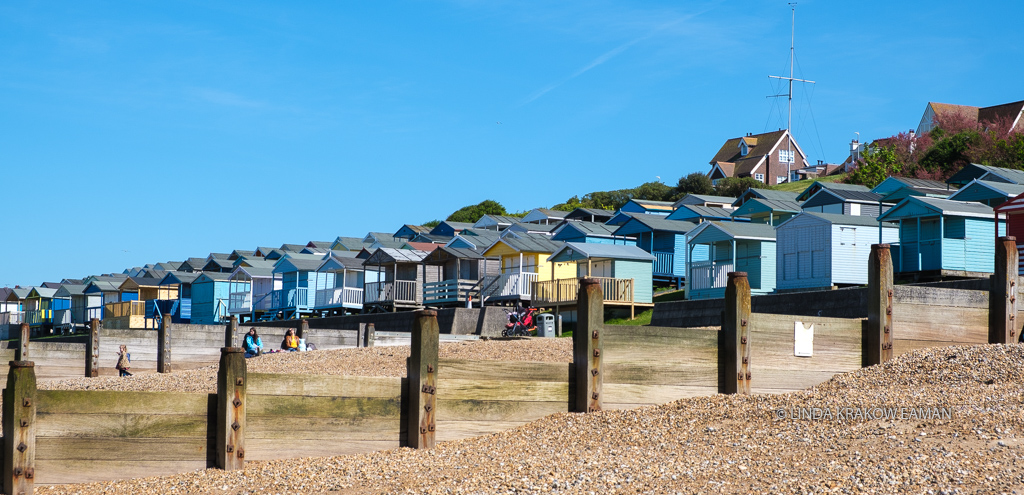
708 444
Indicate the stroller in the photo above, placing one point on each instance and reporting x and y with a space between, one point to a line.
521 322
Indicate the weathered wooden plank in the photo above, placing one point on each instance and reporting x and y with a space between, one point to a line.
325 428
458 430
701 373
286 407
618 393
953 324
119 449
324 385
837 344
497 410
520 371
934 296
60 471
503 390
109 401
258 449
121 425
625 334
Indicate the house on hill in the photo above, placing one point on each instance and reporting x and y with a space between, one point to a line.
771 158
1008 112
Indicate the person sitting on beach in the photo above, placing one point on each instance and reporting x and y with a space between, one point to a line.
253 345
291 341
124 361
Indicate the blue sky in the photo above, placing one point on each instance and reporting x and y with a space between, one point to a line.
138 132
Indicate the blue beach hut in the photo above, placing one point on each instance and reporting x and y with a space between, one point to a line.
730 247
210 294
666 240
590 232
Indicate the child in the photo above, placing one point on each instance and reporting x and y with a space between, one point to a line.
253 345
124 361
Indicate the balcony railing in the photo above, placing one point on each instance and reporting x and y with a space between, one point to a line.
566 290
348 297
12 318
709 275
399 291
450 291
509 285
37 317
297 298
663 263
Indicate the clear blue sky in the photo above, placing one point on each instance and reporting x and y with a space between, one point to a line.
138 132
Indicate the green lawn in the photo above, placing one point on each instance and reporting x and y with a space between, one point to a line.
800 185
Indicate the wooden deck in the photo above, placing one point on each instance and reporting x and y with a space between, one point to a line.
563 293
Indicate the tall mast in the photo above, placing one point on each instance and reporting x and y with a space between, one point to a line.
790 79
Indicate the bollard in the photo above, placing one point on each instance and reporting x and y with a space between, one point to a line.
422 380
163 346
734 374
361 335
19 418
1002 313
586 346
231 331
22 354
370 336
231 383
303 328
92 350
877 339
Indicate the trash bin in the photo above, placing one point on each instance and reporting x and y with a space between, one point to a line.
546 325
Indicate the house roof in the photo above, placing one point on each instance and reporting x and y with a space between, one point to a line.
289 265
456 226
212 277
735 230
498 220
480 239
1007 189
973 171
66 290
703 211
242 253
257 263
218 264
653 205
832 186
253 272
352 243
582 213
943 207
761 204
334 263
445 253
102 286
701 199
528 244
644 223
538 228
896 195
173 278
223 256
51 285
595 229
893 183
837 219
993 114
294 247
43 292
432 238
422 246
574 251
386 256
541 214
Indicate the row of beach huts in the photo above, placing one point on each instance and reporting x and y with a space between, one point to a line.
819 238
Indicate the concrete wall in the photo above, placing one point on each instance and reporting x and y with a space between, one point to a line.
488 321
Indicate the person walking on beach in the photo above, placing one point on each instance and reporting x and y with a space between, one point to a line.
124 361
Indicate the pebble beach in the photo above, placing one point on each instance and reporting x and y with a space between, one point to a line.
716 444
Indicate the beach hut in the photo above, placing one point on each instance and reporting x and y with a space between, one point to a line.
754 193
625 274
344 279
400 277
590 232
347 244
532 228
480 239
450 228
845 201
544 216
524 260
666 240
987 192
1013 212
495 222
944 238
39 306
77 314
920 187
249 290
317 247
649 207
299 282
101 292
220 265
769 211
432 239
985 172
705 200
192 265
730 247
821 250
459 273
13 298
590 215
210 293
181 308
699 213
409 231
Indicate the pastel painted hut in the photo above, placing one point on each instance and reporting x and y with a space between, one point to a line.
138 306
985 172
590 232
730 247
400 277
210 294
846 200
39 306
106 291
299 282
649 207
822 250
524 260
495 222
450 228
944 238
770 211
77 314
987 192
409 231
192 265
459 273
180 309
625 274
590 215
343 281
249 291
666 240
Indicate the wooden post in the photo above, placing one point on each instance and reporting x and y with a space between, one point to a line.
877 340
19 418
92 350
231 383
163 346
22 354
734 339
370 336
231 331
586 346
303 328
1002 312
422 380
361 335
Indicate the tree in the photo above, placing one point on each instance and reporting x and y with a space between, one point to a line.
875 166
733 187
570 205
472 213
695 183
431 224
653 191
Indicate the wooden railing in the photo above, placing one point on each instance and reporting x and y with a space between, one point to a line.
709 274
450 291
566 290
12 317
509 285
38 316
350 297
297 298
126 308
664 262
401 291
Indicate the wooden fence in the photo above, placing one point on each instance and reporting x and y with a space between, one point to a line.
72 436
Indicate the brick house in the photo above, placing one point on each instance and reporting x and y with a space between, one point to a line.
772 158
